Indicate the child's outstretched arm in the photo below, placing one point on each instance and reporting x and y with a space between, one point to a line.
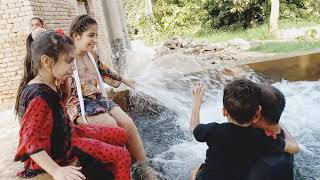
57 172
291 146
197 93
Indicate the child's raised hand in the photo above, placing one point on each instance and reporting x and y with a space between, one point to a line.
68 173
197 92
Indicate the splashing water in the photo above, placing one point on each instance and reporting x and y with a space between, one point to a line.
165 131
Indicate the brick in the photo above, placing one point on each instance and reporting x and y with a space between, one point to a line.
8 55
25 8
6 96
14 15
3 65
6 74
3 80
9 25
7 50
13 35
22 14
19 4
11 5
3 21
4 6
2 70
5 16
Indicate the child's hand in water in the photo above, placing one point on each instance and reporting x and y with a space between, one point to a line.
68 173
197 92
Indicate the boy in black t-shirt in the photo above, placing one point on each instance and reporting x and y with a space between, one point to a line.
234 145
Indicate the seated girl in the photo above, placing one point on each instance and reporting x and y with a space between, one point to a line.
48 139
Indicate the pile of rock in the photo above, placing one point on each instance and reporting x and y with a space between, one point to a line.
214 51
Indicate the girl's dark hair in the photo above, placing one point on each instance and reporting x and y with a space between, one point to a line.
37 18
81 24
48 43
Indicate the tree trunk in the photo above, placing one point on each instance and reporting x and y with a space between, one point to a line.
148 7
274 16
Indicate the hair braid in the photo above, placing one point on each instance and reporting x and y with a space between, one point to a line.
80 24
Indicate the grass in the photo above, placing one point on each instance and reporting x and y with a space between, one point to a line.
286 47
217 35
260 32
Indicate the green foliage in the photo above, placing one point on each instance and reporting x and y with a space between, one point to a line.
171 17
236 13
196 17
260 32
176 16
300 9
310 35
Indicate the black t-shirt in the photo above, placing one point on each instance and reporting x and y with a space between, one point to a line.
232 149
273 166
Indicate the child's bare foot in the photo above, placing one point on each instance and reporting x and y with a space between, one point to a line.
144 171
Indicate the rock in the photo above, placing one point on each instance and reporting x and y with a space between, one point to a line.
209 48
189 50
240 44
172 46
168 42
179 42
185 44
201 44
197 49
163 51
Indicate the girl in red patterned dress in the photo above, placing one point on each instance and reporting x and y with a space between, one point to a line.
48 139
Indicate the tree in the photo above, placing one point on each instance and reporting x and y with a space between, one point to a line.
149 7
274 16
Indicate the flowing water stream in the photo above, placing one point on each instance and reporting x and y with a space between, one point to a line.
163 110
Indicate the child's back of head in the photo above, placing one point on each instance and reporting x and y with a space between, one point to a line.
241 100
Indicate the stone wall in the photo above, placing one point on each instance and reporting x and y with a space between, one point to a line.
15 18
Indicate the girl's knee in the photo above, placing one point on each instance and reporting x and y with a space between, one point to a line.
122 136
129 125
124 155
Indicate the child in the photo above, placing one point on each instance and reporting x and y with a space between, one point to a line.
37 22
88 102
48 140
234 145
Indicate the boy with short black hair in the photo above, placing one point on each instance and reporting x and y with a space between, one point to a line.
234 145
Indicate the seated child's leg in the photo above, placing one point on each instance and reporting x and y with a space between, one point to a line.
194 172
111 135
118 157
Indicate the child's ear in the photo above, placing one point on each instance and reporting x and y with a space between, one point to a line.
224 112
76 36
46 62
257 116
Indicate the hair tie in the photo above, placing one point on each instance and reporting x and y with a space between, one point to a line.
60 32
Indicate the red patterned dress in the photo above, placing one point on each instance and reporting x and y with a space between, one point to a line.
44 126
